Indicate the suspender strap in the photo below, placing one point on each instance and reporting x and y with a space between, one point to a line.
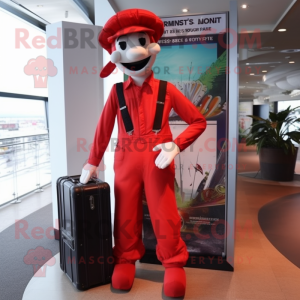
124 111
160 106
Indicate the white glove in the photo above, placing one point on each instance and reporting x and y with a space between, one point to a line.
88 171
168 152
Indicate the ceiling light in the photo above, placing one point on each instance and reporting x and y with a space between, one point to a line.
244 6
247 82
290 51
262 49
185 10
264 71
295 93
267 48
264 63
252 74
291 62
282 30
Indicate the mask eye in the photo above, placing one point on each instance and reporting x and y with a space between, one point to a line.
142 41
123 45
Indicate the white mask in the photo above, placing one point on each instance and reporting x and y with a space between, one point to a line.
134 54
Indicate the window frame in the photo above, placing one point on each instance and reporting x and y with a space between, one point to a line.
24 16
39 25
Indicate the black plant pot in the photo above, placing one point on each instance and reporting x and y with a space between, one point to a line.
276 165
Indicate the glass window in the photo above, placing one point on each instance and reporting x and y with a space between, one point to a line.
22 117
24 141
24 147
21 44
282 105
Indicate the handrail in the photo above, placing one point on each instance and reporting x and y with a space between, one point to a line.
23 136
6 145
24 195
26 168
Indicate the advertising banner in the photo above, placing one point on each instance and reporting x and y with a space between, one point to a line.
193 57
245 109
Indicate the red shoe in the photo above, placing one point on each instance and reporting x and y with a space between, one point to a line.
123 276
174 282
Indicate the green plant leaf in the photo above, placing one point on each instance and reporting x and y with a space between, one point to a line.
274 131
259 127
286 148
295 136
273 116
257 118
293 149
284 114
260 144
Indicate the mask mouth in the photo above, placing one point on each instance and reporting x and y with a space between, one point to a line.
137 65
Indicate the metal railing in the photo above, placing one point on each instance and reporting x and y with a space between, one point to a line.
24 166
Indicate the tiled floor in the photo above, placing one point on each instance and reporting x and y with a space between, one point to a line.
261 272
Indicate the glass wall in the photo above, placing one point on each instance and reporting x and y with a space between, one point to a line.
24 141
25 166
24 147
282 105
21 44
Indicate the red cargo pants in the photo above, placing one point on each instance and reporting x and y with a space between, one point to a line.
135 170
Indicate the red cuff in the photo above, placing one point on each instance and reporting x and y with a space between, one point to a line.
176 143
94 161
180 142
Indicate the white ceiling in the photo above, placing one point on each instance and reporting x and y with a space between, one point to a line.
262 14
55 10
265 15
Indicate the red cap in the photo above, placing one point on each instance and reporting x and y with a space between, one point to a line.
125 22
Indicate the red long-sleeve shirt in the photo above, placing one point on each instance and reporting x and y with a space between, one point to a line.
141 104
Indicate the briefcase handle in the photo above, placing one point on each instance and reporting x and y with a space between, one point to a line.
92 179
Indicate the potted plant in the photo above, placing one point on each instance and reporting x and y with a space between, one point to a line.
274 140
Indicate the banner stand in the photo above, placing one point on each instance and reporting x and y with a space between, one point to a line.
201 262
210 199
232 130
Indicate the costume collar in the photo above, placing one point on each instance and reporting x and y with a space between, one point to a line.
147 81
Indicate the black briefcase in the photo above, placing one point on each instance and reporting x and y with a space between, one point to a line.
85 235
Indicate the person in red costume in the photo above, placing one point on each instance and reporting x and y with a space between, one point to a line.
144 156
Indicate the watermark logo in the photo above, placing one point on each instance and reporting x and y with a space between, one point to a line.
40 68
39 258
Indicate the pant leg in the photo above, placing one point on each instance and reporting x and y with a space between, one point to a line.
159 187
128 209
